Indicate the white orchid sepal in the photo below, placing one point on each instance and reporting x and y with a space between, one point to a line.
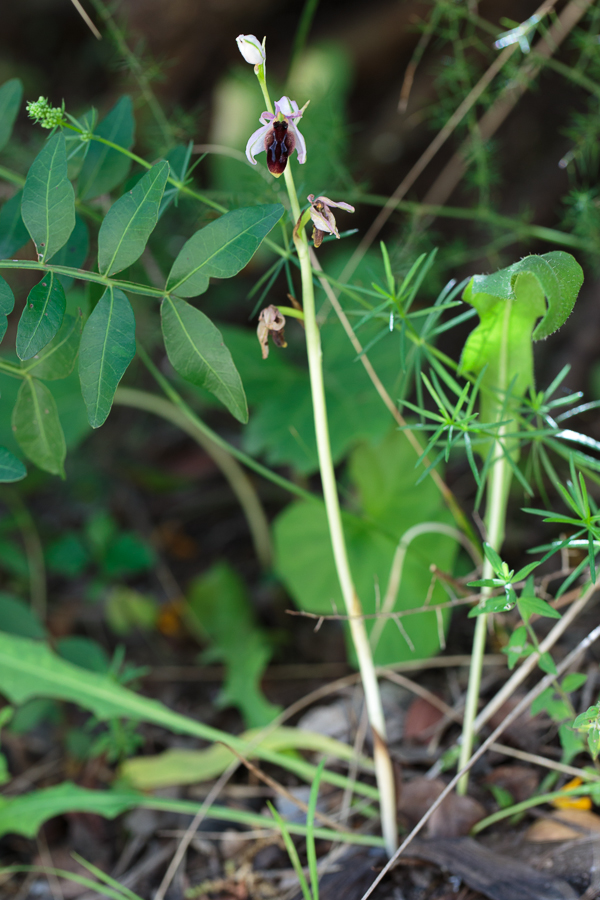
252 50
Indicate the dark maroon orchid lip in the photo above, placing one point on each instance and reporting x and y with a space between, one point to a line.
278 136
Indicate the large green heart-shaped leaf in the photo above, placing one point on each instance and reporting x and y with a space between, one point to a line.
37 427
104 167
221 249
395 508
282 422
196 351
41 317
107 347
129 222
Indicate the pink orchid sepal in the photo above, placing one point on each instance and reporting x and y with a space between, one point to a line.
322 217
279 136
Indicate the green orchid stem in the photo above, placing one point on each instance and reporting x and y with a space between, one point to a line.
383 764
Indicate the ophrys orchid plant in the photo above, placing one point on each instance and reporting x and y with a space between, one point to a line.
279 137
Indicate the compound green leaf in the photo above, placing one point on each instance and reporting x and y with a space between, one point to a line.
130 221
221 249
7 303
13 233
107 347
37 427
41 317
11 468
11 94
196 351
104 167
48 205
57 360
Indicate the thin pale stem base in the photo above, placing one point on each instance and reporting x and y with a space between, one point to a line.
497 497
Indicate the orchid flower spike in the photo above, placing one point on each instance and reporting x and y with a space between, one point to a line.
322 217
251 49
278 137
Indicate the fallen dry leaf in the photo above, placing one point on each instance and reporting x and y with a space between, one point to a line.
454 817
555 827
520 781
420 719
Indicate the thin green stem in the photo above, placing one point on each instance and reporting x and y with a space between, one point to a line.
383 766
302 32
83 275
179 402
579 791
12 177
33 550
237 478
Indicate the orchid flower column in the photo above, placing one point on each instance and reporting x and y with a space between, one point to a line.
279 136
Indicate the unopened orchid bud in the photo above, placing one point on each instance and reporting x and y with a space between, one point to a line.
251 49
270 322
